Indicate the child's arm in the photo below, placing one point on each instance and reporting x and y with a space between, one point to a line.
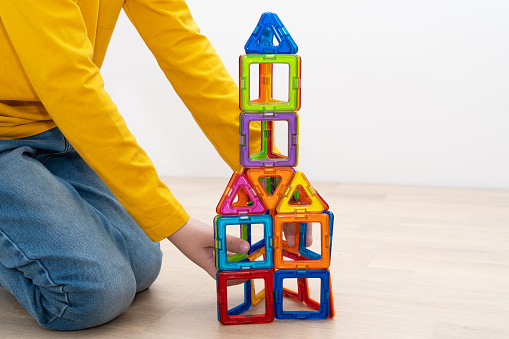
195 71
51 42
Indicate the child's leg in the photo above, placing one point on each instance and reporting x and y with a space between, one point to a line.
128 236
69 252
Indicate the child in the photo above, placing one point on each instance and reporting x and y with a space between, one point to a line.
81 205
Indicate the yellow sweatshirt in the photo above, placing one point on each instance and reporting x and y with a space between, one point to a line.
50 55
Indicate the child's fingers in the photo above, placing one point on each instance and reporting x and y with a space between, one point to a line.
290 230
309 235
233 282
236 245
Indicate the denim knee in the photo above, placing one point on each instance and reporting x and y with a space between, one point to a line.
97 302
146 270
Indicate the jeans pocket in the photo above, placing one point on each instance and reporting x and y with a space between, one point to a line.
43 155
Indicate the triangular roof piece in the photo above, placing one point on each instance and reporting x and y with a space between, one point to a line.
315 205
270 200
260 41
227 206
304 199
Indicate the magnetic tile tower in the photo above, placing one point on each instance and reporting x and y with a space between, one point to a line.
270 194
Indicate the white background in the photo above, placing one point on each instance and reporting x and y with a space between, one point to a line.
393 92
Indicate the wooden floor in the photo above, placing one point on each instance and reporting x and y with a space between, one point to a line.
407 262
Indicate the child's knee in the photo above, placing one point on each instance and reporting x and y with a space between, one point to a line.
148 272
92 302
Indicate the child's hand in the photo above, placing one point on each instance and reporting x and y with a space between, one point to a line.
196 241
290 230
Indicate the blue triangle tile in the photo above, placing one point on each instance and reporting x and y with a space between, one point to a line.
261 40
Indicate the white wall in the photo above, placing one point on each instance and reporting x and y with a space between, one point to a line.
393 92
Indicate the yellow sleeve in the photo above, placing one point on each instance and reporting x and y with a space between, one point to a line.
194 69
51 42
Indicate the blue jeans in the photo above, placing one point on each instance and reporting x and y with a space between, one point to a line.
69 252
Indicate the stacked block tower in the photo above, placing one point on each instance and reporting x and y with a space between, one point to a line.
268 192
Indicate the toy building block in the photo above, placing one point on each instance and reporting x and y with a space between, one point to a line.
300 197
271 148
243 199
245 234
246 305
222 297
265 96
256 246
303 235
265 83
332 309
256 176
324 309
268 192
220 224
237 185
294 93
293 140
314 304
264 152
302 294
315 204
268 150
321 263
256 297
261 40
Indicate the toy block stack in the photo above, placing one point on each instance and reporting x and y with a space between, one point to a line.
268 192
